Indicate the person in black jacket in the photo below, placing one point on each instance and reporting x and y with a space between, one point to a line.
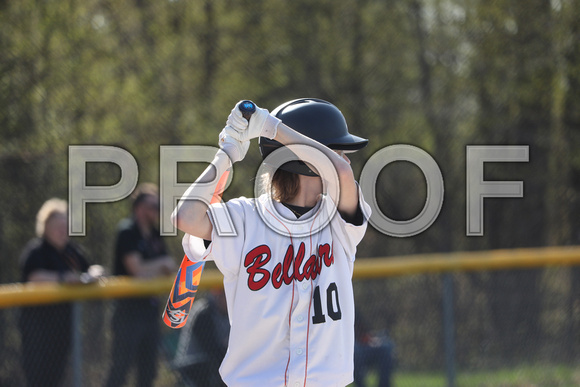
46 330
139 252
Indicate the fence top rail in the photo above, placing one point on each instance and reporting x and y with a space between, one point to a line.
468 261
20 294
23 294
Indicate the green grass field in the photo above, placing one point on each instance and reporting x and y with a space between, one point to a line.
523 376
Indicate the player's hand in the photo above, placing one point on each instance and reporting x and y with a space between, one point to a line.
235 149
261 124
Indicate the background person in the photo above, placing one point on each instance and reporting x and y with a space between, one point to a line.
139 252
372 351
46 330
203 342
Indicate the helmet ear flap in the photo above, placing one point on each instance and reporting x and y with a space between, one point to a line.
317 119
268 146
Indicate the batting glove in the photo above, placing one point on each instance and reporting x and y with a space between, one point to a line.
261 124
235 149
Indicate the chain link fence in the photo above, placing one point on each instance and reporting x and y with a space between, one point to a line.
76 344
406 314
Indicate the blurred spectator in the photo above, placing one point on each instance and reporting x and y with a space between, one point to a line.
203 342
372 350
139 252
46 330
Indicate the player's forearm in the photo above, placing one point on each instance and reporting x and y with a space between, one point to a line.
190 215
288 136
348 201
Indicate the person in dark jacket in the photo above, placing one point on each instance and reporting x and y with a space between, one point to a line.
140 252
46 330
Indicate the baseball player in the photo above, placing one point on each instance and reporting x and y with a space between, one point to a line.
288 271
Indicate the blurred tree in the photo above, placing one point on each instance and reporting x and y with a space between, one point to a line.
436 74
516 72
570 190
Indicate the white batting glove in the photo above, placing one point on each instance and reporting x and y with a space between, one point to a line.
236 120
261 124
235 149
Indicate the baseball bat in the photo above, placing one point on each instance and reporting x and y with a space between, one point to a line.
188 276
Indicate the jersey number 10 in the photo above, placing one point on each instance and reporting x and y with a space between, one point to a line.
332 305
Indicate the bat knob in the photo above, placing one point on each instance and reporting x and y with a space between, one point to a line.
247 108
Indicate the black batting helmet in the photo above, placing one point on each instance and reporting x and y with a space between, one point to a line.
317 119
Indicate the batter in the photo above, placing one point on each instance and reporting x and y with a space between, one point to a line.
288 272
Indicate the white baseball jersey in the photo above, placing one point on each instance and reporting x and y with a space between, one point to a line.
289 293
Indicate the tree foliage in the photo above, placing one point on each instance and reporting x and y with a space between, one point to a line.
436 74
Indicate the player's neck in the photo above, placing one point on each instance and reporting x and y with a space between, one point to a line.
309 193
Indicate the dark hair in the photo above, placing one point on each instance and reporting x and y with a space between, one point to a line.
285 185
142 191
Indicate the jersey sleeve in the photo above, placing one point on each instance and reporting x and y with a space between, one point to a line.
350 234
227 238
